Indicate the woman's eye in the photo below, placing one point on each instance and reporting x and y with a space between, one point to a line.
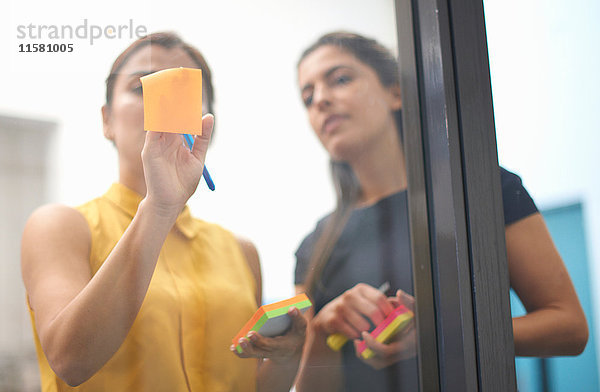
137 89
343 79
307 100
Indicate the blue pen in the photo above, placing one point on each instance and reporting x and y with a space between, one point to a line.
190 141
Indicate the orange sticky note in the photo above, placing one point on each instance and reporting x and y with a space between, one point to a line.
173 101
272 320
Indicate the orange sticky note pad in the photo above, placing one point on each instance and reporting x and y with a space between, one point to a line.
173 101
272 320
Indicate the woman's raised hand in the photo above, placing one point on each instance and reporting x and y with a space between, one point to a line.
171 170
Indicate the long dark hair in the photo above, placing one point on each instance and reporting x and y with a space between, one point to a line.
347 188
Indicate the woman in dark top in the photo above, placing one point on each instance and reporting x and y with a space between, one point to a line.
350 87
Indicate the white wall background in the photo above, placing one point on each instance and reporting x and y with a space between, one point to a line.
545 63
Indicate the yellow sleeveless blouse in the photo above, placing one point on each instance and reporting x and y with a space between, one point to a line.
201 294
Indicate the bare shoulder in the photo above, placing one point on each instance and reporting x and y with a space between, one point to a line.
54 248
55 222
56 213
529 236
535 221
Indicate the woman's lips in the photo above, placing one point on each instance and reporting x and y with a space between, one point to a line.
332 122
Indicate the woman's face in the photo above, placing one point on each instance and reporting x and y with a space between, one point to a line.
348 107
124 119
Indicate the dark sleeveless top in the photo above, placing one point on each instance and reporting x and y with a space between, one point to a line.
374 247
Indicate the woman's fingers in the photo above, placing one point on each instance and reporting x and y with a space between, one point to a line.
342 316
298 322
201 141
350 313
345 327
248 349
152 136
160 145
406 299
357 321
164 143
294 337
378 298
380 349
385 354
368 302
255 345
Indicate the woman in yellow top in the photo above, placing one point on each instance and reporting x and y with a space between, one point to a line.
130 293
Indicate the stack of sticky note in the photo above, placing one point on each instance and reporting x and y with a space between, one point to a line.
395 322
173 101
272 319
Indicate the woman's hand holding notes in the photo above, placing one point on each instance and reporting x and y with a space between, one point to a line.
276 331
394 339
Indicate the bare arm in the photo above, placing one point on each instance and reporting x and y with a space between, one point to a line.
82 320
555 323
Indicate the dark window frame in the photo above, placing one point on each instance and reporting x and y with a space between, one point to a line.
457 227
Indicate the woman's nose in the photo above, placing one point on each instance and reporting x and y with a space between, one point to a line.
321 96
